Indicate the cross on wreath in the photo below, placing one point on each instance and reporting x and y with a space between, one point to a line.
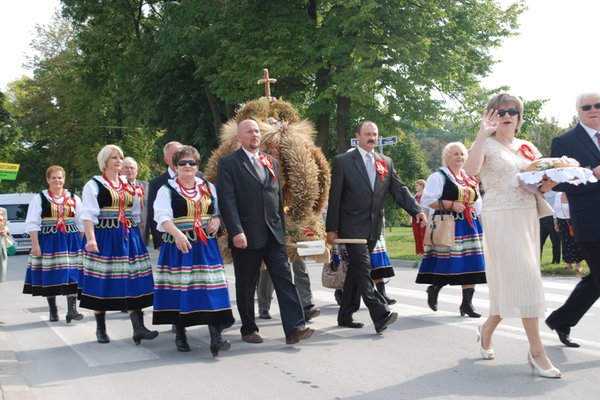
267 82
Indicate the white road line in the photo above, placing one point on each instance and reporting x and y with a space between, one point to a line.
81 337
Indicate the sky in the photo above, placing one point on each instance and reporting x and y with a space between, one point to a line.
552 58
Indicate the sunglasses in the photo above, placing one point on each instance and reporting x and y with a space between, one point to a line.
183 163
588 107
511 111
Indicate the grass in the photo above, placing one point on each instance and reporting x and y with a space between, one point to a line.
401 246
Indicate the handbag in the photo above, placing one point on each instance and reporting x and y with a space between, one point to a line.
334 271
440 229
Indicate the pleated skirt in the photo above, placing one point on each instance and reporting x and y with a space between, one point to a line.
191 289
59 269
511 245
119 277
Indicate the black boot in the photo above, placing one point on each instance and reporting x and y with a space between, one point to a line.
72 312
53 309
139 330
466 306
101 335
181 338
216 343
381 289
432 296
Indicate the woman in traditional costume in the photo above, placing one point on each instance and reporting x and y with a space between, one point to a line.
190 286
451 192
511 243
116 265
54 267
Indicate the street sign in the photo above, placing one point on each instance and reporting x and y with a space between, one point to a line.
388 140
8 171
380 142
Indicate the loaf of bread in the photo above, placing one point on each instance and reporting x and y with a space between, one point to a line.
550 162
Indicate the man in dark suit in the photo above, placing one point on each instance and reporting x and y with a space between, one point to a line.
251 205
583 144
155 184
360 180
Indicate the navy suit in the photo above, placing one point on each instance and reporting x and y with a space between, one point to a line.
355 211
255 208
584 206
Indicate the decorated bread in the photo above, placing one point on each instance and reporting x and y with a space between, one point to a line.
543 164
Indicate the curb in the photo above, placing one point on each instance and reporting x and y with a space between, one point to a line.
405 263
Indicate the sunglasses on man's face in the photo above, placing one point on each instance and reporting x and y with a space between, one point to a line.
588 107
511 111
183 163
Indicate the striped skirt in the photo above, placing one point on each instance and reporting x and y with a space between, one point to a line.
381 266
191 289
59 270
461 264
119 276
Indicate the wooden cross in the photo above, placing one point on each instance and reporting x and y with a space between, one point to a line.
267 82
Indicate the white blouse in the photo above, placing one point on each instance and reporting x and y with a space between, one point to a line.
91 209
561 210
435 186
162 205
33 221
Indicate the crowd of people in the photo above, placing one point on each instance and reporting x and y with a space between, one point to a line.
94 247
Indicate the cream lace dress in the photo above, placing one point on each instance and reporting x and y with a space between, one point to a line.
511 235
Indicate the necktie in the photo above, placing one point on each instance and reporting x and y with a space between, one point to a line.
370 164
597 139
260 170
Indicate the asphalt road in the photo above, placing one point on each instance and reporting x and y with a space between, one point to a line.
424 355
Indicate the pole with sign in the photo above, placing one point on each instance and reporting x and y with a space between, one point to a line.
382 141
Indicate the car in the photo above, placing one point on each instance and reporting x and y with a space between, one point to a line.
16 205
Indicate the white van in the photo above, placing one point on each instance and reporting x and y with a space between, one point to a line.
16 205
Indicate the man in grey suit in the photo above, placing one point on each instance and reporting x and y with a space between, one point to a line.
130 170
251 205
360 180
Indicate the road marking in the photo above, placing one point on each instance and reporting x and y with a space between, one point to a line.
81 337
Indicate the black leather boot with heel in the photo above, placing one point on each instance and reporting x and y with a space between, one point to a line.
101 335
381 289
432 296
53 309
139 330
72 312
216 342
466 307
181 339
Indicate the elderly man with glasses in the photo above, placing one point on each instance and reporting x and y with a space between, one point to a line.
583 144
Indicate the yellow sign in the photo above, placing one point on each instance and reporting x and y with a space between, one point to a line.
9 171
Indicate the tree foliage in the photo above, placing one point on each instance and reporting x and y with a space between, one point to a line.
139 73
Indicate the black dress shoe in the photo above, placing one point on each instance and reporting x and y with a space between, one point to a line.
310 313
351 324
563 335
390 319
264 315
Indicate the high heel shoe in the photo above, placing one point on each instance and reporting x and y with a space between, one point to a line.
544 373
487 354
